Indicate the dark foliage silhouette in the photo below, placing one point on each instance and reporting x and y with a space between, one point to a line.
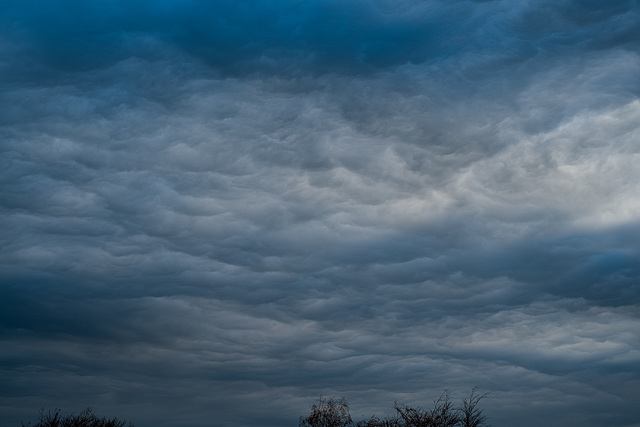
443 414
335 413
330 412
471 415
85 418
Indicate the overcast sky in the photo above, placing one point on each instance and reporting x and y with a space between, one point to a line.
213 212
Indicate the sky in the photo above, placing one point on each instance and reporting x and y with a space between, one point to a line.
214 212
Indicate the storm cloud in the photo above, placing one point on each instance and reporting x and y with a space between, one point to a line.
214 212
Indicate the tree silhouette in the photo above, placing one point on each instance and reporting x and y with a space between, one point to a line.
471 415
335 413
84 419
330 412
443 414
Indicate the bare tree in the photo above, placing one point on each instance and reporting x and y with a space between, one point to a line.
330 412
413 417
335 412
471 415
84 419
380 422
443 413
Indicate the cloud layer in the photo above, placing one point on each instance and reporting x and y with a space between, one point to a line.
214 213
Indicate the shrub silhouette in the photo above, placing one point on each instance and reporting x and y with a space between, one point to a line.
335 413
330 412
471 415
85 418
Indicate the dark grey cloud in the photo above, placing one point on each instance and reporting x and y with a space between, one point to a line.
214 213
294 37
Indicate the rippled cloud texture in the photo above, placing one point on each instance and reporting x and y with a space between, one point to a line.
214 212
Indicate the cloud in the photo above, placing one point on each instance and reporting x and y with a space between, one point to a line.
215 207
293 37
